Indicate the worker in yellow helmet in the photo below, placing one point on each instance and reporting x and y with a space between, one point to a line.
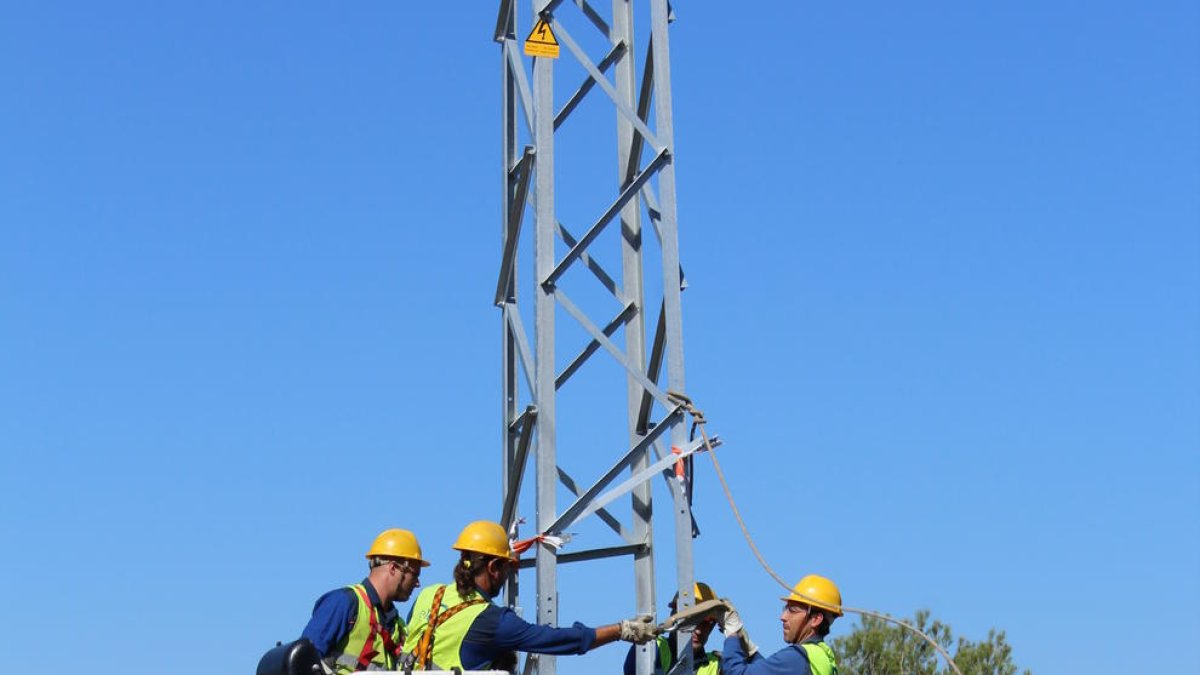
358 627
703 663
456 625
807 615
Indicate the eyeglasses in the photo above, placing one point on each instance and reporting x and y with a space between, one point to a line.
796 609
405 566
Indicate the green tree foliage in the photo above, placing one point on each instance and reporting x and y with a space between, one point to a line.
877 647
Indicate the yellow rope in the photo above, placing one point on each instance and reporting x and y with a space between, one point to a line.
698 419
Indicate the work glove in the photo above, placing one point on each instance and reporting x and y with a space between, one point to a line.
639 630
751 648
732 621
733 627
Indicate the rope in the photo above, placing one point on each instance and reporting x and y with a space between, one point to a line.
699 421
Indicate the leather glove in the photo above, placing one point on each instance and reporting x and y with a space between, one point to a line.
639 630
733 627
751 648
733 621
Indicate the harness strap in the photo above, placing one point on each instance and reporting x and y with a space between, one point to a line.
391 645
392 649
424 651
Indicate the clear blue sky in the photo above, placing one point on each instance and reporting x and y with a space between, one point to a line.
944 308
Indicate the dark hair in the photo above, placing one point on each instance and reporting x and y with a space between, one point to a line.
823 628
469 564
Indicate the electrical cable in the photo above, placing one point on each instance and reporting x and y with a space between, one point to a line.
699 421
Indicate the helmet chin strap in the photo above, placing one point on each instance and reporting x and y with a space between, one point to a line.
806 630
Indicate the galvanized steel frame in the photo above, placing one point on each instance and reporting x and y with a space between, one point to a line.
530 421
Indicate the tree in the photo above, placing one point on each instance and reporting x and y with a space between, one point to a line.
876 647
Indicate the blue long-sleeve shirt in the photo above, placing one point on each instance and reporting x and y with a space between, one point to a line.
791 660
334 615
498 630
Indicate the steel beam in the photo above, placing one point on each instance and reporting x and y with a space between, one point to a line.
544 304
585 500
615 53
551 357
619 320
594 554
613 523
664 125
511 369
630 191
518 184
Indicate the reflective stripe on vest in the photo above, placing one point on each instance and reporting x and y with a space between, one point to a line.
449 633
368 646
820 658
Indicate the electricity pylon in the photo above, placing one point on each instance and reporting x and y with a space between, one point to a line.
552 145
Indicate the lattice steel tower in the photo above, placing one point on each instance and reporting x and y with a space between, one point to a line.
565 159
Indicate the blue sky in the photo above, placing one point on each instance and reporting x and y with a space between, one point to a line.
943 307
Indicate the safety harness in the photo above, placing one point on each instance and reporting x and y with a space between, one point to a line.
424 651
389 643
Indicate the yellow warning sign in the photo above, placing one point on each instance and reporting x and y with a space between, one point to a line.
541 41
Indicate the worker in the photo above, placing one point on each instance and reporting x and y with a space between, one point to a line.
358 627
703 663
456 625
807 615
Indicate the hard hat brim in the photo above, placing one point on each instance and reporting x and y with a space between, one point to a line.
514 556
421 561
837 611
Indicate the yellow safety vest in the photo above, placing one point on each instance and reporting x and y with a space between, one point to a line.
709 665
454 616
369 645
820 658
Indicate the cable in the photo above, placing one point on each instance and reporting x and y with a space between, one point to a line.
699 421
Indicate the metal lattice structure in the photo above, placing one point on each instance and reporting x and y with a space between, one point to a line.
567 259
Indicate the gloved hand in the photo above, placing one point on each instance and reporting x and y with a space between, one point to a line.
733 627
639 630
733 620
751 648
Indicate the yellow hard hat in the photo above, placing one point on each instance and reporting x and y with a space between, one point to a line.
819 592
397 543
701 592
486 537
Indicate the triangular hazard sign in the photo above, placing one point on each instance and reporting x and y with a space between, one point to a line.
541 41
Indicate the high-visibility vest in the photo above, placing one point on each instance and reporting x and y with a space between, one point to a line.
369 645
436 634
820 658
709 665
